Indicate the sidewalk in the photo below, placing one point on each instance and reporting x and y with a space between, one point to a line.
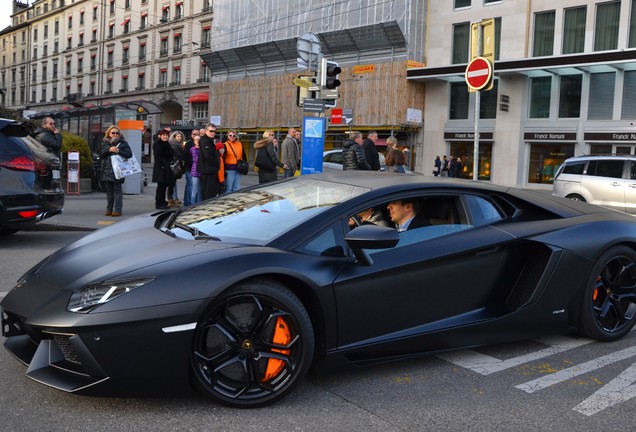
85 212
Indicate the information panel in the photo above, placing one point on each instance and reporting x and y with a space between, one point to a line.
313 145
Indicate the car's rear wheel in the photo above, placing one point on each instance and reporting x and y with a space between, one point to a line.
253 346
576 197
609 303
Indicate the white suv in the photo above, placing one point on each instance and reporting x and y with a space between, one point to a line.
609 181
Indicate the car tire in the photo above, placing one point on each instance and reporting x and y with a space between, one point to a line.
253 346
576 197
609 300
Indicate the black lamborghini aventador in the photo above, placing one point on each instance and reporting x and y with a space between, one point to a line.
240 295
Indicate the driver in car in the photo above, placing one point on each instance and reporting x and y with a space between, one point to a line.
404 214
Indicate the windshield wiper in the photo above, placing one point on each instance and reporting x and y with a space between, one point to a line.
198 235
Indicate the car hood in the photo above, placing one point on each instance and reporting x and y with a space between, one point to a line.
132 247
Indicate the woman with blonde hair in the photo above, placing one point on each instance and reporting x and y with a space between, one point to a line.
113 144
266 159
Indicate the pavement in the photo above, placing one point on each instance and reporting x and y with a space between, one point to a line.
85 212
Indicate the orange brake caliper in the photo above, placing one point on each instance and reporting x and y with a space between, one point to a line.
282 336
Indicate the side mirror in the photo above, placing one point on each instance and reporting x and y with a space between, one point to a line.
370 237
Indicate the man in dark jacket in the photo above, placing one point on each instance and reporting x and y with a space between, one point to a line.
353 154
208 163
370 152
161 171
187 159
48 135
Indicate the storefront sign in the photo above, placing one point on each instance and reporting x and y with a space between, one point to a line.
362 69
465 136
182 122
549 136
610 136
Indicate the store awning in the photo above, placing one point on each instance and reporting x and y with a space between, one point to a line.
198 97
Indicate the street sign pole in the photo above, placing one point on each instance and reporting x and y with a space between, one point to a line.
477 108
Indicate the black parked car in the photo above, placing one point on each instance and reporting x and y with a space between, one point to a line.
30 188
241 294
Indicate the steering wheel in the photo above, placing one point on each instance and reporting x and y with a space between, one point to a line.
356 219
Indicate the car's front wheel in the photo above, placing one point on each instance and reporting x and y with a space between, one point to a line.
253 346
609 302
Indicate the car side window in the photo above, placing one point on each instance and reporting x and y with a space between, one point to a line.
333 158
574 168
606 168
329 242
482 211
632 170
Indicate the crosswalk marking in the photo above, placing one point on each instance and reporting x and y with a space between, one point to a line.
571 372
620 389
486 365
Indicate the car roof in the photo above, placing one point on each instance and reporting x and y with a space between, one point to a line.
600 156
378 180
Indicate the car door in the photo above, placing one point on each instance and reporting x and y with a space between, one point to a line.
630 188
604 182
421 284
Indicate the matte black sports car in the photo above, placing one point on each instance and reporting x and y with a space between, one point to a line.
240 295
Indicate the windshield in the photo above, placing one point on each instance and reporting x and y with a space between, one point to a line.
261 214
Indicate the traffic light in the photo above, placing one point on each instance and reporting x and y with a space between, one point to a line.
329 82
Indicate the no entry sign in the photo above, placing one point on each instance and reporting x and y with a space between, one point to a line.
479 73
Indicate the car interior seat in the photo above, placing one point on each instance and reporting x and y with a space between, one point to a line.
441 211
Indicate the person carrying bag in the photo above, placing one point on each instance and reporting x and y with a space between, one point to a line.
266 159
113 145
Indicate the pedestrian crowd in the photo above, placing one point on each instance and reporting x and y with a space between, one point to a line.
445 167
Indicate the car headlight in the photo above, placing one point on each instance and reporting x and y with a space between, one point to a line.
92 295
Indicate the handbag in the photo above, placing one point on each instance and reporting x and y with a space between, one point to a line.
242 167
123 168
175 167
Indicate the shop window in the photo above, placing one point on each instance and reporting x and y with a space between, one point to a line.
601 106
606 28
540 89
488 103
574 30
458 101
628 111
497 37
545 160
466 151
461 43
601 149
570 96
632 26
543 38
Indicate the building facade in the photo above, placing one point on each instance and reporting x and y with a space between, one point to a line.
565 85
254 60
77 55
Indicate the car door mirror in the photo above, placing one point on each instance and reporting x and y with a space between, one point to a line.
370 237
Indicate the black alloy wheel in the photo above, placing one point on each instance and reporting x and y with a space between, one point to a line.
253 346
609 305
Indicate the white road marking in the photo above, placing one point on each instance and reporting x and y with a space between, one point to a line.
486 365
618 390
574 371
